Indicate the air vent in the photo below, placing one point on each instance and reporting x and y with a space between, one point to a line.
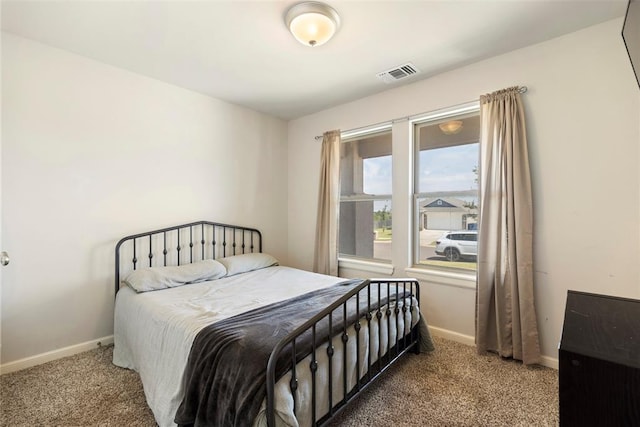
398 73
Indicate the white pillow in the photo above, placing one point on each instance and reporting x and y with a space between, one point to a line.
237 264
154 278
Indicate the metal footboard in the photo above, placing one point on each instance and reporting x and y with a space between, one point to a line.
377 320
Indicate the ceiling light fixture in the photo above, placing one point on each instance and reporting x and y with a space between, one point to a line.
451 128
312 23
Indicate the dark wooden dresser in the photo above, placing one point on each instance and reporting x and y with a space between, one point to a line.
599 366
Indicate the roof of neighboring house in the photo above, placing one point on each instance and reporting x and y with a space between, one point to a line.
445 204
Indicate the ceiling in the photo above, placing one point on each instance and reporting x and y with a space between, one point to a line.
241 52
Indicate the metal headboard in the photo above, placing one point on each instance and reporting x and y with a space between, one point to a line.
185 244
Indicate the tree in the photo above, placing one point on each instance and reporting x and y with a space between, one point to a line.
382 216
472 204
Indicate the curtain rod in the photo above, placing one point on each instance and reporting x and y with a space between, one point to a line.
521 89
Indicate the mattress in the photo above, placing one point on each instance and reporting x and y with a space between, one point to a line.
154 331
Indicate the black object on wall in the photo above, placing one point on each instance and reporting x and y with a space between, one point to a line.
600 361
631 35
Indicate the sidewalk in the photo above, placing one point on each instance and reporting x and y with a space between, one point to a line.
427 237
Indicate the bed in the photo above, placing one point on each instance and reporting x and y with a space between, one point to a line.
221 334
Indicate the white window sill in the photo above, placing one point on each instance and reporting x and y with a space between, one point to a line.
440 277
365 265
449 278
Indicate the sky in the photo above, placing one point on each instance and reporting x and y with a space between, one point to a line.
441 169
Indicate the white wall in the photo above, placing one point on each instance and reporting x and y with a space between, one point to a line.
582 107
91 153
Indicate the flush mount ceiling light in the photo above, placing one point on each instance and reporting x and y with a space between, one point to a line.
451 128
312 23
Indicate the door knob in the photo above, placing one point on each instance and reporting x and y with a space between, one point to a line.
4 258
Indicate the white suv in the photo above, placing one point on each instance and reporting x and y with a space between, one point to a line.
458 244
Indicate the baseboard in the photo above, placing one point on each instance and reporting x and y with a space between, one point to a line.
549 362
453 336
39 359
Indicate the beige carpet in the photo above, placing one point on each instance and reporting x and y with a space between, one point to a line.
449 387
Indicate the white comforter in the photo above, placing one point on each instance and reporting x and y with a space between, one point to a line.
154 331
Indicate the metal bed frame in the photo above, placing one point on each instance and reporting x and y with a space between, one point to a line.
191 242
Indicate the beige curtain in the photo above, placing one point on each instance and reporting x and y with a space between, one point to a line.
326 250
505 311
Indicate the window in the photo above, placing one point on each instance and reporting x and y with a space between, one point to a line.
365 229
437 193
446 190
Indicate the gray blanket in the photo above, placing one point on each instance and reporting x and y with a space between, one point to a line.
226 371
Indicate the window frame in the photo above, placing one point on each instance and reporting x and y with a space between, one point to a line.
383 266
469 109
403 191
